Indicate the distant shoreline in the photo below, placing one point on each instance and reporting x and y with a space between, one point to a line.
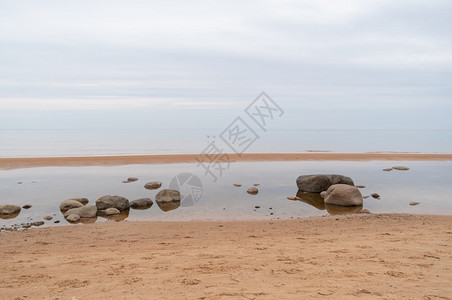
34 162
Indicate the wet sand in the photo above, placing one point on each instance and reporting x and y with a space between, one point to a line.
345 257
17 163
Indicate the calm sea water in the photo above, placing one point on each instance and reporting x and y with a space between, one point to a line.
45 188
40 143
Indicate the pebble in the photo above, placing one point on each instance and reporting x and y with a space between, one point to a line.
48 218
237 184
26 206
414 203
293 198
375 195
252 191
401 168
387 169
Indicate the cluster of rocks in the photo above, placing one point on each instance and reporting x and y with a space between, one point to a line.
76 209
336 193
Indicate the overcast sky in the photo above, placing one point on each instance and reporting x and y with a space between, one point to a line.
328 64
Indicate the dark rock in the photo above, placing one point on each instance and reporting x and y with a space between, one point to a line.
257 206
153 185
360 186
252 191
143 203
321 182
39 223
387 169
343 195
414 203
27 206
257 184
108 201
132 179
375 195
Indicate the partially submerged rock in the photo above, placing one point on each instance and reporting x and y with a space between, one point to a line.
153 185
143 203
112 211
321 182
252 191
109 201
237 184
387 169
375 195
167 195
401 168
73 218
293 198
48 218
69 204
414 203
27 206
343 195
168 199
9 209
130 179
89 211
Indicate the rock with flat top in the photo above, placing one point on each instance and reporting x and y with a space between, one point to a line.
321 182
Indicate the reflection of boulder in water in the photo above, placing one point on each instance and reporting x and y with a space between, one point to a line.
10 216
124 214
342 210
167 206
83 221
313 199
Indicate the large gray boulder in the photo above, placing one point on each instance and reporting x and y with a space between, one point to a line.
89 211
167 195
108 201
9 209
321 182
69 204
343 195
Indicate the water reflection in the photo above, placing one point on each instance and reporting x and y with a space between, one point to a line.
124 214
10 216
167 206
313 199
316 201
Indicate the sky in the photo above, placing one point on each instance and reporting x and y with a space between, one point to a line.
198 64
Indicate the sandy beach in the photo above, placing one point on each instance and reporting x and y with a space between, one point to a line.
345 257
17 163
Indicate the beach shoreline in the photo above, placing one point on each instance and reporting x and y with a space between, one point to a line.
352 256
34 162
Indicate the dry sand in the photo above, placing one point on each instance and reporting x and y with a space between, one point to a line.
16 163
345 257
